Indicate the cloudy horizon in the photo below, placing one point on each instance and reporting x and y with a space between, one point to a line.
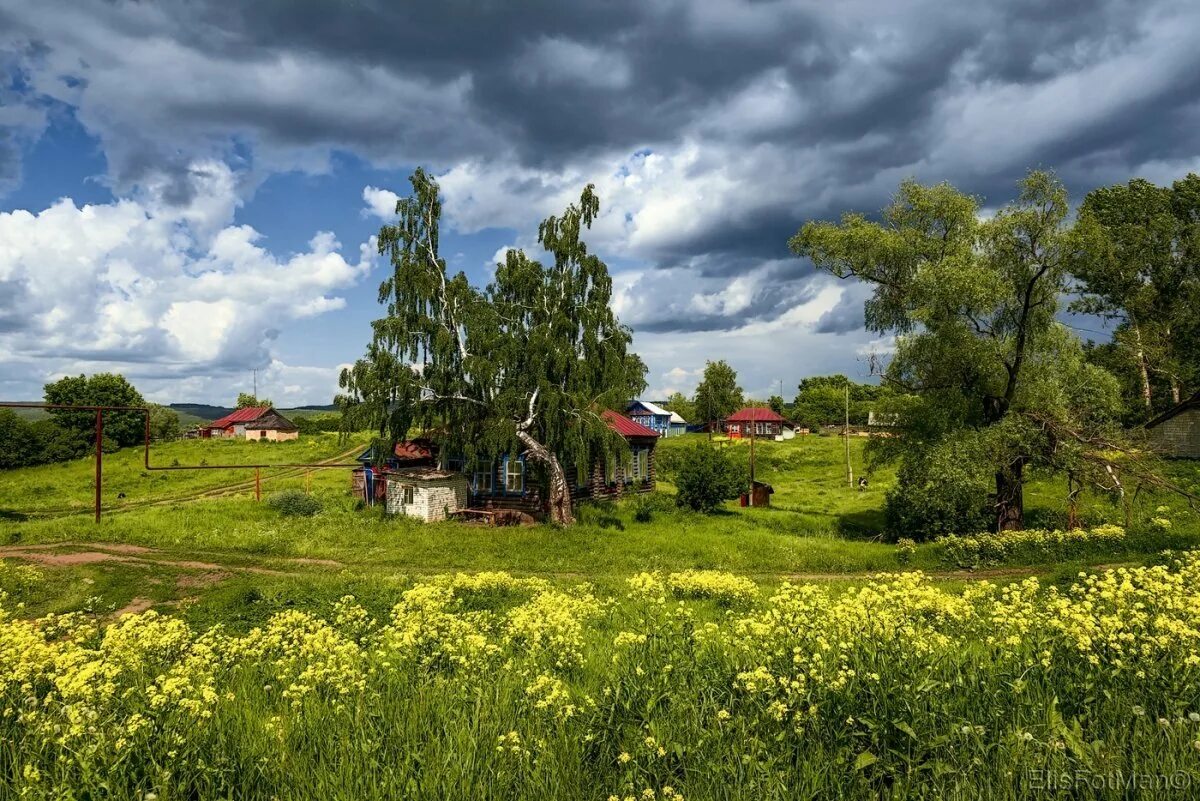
189 190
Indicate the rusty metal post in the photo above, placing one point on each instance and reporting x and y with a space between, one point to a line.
99 458
257 485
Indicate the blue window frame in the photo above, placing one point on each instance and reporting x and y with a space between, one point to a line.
483 476
512 474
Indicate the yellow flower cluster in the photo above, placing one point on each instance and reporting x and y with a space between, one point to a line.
724 588
1030 545
809 667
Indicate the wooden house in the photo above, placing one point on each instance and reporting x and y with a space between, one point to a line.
652 416
509 481
505 483
758 421
1176 432
677 425
253 423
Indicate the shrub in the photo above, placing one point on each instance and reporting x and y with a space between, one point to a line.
706 477
294 503
940 492
906 548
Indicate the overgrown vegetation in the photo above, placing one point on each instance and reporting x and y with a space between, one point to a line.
705 477
294 503
516 688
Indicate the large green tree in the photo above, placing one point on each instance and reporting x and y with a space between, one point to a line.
247 400
972 303
102 389
1138 263
718 394
528 363
678 403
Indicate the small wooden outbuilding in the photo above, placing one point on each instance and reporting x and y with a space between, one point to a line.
1176 432
425 492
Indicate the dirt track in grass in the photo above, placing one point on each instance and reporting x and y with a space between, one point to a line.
68 554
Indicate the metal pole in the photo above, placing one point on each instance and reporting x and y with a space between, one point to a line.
751 424
849 468
99 458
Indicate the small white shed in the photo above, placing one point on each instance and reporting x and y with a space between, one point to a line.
425 492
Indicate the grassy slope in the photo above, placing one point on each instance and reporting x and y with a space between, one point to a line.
818 526
68 486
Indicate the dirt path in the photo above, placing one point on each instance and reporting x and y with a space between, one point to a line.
213 569
67 554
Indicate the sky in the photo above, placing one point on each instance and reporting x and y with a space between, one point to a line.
189 189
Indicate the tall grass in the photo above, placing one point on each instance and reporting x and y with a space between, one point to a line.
487 686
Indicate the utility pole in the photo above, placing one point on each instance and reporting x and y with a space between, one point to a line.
751 424
255 384
846 431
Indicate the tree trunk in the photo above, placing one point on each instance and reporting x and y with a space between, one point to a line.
559 502
1010 497
1140 355
1073 491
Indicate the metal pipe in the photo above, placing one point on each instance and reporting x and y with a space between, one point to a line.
145 411
99 458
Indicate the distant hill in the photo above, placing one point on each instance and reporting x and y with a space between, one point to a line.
208 413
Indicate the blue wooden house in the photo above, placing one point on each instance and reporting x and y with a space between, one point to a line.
651 415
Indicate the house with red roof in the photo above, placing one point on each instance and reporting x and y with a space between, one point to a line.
758 421
259 423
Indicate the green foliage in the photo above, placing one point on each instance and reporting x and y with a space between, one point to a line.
164 423
316 423
972 302
102 389
718 394
821 401
1137 261
706 477
527 363
683 407
775 404
940 490
294 503
246 400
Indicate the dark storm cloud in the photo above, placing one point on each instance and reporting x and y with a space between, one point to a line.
804 110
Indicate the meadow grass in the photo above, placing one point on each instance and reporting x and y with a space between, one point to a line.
67 487
647 652
492 686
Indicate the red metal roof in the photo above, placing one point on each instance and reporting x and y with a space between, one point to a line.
414 449
240 416
626 427
756 414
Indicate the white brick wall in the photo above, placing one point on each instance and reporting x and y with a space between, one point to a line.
431 499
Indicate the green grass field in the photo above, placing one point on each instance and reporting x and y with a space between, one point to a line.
585 668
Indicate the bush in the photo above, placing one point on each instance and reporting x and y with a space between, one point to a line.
940 492
294 503
706 477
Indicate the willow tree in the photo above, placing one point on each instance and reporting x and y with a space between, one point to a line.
526 364
972 302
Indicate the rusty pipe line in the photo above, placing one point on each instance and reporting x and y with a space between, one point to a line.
145 412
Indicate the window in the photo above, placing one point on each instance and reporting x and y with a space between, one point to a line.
406 496
514 476
481 477
639 464
456 464
610 470
734 429
262 434
582 479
